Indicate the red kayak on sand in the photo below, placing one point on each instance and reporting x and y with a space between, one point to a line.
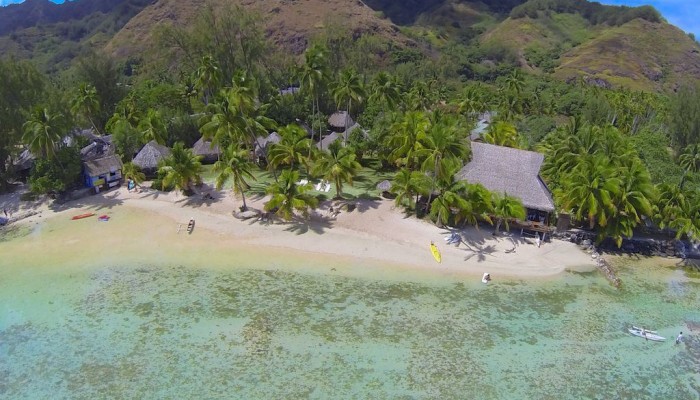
81 216
103 218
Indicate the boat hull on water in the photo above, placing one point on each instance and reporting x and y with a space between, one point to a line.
650 335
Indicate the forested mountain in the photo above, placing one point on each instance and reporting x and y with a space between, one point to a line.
53 35
609 46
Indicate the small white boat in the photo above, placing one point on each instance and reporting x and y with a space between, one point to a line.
643 333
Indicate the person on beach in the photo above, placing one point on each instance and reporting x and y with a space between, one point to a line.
679 338
5 211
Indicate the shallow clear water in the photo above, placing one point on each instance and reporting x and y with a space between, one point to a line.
155 332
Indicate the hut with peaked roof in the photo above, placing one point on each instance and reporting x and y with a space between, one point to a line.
207 150
333 136
339 120
262 144
103 173
150 155
511 171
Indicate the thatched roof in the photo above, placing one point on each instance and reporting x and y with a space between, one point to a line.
24 161
338 120
511 171
103 165
262 143
205 149
289 90
333 136
150 155
384 186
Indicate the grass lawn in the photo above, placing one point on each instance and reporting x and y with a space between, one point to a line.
364 184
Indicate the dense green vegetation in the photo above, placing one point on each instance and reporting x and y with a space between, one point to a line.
615 159
54 35
594 12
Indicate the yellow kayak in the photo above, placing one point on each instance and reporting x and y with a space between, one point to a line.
436 252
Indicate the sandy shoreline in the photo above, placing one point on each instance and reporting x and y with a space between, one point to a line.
375 239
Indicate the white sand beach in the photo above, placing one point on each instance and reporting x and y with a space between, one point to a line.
150 227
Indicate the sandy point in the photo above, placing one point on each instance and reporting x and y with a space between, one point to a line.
372 238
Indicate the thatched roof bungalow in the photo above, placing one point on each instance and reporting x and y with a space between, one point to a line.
150 155
333 136
262 144
511 171
339 120
207 150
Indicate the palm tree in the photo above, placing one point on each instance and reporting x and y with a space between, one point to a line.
43 131
235 164
86 103
385 91
442 150
590 190
313 76
689 161
292 148
208 77
287 196
440 143
152 127
515 81
236 116
632 201
348 89
449 205
502 133
404 139
337 165
407 184
133 172
471 101
181 169
479 205
505 208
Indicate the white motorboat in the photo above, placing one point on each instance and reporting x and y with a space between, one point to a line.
646 334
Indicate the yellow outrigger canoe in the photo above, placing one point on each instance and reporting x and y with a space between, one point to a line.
436 252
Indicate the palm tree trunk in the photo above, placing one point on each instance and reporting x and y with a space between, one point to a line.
245 206
683 179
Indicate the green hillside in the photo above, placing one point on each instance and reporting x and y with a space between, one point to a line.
637 55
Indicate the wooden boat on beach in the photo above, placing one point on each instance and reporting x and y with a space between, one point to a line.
190 226
81 216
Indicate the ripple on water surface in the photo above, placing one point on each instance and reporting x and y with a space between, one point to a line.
175 332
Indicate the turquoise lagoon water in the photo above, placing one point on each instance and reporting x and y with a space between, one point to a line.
177 333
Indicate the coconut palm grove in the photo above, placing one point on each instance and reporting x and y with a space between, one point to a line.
615 159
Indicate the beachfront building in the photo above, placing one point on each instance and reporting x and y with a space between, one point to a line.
514 172
150 155
262 145
102 167
339 120
208 151
103 173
